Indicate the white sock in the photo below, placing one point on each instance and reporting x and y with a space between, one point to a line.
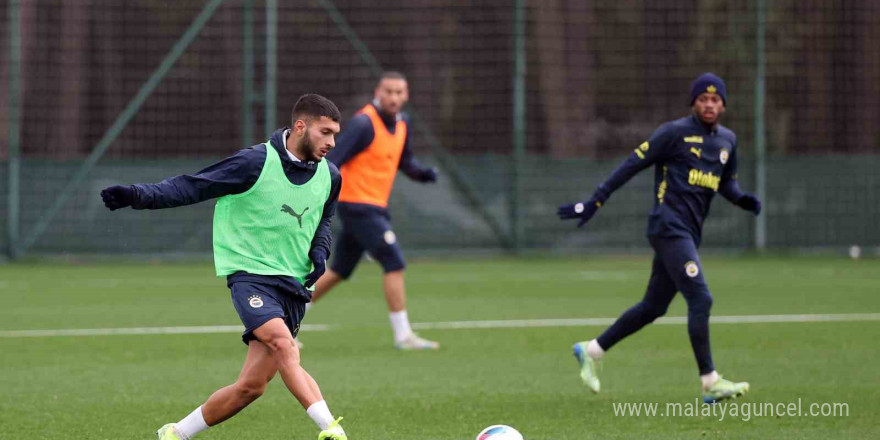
400 325
594 350
192 424
709 379
320 413
309 306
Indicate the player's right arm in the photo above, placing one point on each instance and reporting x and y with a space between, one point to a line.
730 190
408 163
648 153
233 175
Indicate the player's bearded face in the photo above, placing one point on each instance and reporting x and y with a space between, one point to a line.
708 107
308 148
392 94
319 137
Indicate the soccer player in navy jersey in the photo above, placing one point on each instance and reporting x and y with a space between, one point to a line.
694 157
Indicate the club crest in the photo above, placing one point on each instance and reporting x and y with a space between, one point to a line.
390 237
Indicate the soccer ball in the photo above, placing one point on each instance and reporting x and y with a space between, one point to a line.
499 432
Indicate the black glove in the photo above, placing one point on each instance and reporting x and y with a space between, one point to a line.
429 175
319 261
750 203
582 210
118 196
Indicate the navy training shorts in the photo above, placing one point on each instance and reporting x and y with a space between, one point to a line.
257 303
370 231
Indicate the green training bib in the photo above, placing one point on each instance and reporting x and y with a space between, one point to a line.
268 229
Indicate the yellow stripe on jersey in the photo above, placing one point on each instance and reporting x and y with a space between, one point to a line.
661 191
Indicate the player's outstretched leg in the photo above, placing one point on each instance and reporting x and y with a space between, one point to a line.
715 387
259 368
395 296
658 295
278 338
683 264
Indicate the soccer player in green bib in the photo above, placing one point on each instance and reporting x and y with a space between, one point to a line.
271 242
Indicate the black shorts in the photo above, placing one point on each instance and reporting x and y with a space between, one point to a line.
366 229
257 303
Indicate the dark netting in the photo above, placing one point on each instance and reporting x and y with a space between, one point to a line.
600 77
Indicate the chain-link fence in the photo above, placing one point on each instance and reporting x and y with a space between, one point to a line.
99 92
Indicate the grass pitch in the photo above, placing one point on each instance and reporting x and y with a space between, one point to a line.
125 387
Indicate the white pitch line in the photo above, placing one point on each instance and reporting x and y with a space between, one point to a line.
755 319
674 320
139 331
207 283
451 325
583 275
513 323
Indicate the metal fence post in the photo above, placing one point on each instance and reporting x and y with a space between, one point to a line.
760 135
13 201
247 117
519 123
269 98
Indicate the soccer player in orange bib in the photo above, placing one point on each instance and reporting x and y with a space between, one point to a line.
370 150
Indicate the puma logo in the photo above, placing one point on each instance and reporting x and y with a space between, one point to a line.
299 217
697 151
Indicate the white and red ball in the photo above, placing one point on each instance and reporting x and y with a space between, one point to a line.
499 432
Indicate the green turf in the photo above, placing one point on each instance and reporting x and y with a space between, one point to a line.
124 387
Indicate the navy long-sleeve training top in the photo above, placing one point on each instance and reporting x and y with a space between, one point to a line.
692 162
235 175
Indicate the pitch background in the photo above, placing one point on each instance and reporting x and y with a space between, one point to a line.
125 387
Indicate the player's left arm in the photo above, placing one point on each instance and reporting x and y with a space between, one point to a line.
729 187
233 175
410 166
651 151
320 249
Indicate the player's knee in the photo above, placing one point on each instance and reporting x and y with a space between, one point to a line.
250 389
392 263
284 348
701 303
389 257
653 311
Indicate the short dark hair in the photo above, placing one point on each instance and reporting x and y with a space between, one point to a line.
313 106
390 74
